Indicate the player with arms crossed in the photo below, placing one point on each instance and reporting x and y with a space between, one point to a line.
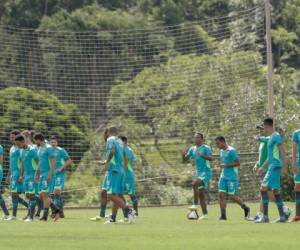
276 167
228 182
114 163
63 161
296 170
202 155
45 175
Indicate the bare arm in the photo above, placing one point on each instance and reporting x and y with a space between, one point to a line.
235 163
295 152
53 163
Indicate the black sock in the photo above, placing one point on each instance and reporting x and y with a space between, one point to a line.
46 213
3 206
113 217
102 210
15 202
279 204
54 208
126 211
265 202
297 200
39 203
223 213
32 204
22 201
135 203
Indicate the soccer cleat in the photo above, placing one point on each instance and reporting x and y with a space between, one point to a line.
11 218
246 212
131 216
193 207
26 217
98 218
287 212
282 219
5 217
222 218
203 217
262 219
28 220
109 222
295 219
256 217
37 217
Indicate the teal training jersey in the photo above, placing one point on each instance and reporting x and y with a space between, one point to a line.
61 157
201 165
45 155
273 150
130 157
14 161
29 157
1 154
228 156
296 138
116 163
263 152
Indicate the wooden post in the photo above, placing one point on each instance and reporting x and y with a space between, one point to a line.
269 59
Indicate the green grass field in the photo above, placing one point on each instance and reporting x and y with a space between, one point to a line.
157 228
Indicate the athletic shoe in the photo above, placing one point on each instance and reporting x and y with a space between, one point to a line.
262 219
28 220
11 218
193 207
122 221
26 217
5 217
287 212
108 216
203 217
131 216
109 222
98 218
43 219
282 219
295 219
246 212
256 217
37 217
222 218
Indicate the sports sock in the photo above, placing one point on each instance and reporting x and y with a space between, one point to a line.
135 201
102 210
3 206
15 202
32 204
297 200
223 213
279 204
39 206
22 201
265 202
46 213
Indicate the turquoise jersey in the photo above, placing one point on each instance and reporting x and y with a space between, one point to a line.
228 156
45 155
116 163
202 165
130 157
61 157
1 154
273 150
296 138
263 152
14 161
29 157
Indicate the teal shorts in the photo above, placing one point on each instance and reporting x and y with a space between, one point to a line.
129 187
15 185
45 186
272 178
36 187
205 177
115 182
297 178
29 185
59 181
228 186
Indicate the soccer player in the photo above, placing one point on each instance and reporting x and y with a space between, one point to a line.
202 155
29 163
2 202
129 174
276 167
63 160
296 170
228 182
114 163
45 173
16 185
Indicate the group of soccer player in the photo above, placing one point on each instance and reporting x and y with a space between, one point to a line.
270 168
37 170
119 180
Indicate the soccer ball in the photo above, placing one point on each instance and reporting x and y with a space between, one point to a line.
192 215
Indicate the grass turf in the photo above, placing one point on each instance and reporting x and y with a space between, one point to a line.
157 228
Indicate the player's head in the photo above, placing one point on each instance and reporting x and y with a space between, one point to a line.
113 131
220 142
105 134
198 138
54 141
39 138
20 141
13 135
123 139
268 125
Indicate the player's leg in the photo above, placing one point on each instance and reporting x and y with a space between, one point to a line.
130 184
39 202
58 188
280 206
30 195
2 202
135 203
196 194
222 187
297 198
